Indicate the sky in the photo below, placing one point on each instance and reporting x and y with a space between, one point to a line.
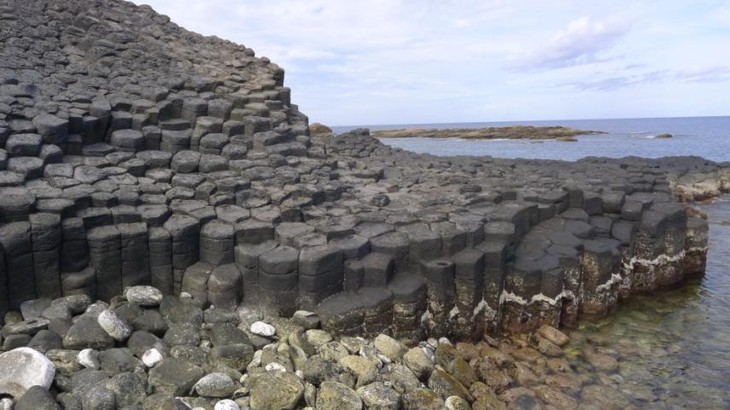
373 62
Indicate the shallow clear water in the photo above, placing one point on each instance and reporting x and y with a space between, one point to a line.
674 347
708 137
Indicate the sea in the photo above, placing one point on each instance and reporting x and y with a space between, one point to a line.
673 346
708 137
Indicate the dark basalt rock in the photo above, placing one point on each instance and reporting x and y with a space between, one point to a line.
134 152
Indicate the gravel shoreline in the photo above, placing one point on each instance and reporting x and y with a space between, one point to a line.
149 351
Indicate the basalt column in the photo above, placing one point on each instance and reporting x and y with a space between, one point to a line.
600 263
4 305
439 275
321 274
46 236
15 238
105 255
134 254
160 257
185 233
278 277
695 256
469 287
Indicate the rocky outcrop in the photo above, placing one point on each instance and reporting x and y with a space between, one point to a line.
134 152
509 245
515 132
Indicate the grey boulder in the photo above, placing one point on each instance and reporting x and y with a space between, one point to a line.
23 368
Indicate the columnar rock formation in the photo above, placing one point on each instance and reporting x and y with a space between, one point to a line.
135 152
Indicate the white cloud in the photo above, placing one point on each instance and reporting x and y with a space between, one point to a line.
582 41
420 61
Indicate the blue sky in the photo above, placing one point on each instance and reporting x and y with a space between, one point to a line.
407 61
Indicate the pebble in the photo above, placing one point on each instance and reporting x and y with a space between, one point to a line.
262 329
389 347
89 358
275 367
226 405
418 362
114 326
218 385
151 357
456 403
144 295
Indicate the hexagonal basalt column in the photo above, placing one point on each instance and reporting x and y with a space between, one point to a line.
46 237
377 269
128 140
673 238
524 308
278 277
185 234
496 253
224 287
105 255
321 273
134 254
695 258
377 306
394 244
600 262
247 256
439 276
453 238
160 255
469 288
423 245
74 248
195 282
4 304
658 248
216 243
410 303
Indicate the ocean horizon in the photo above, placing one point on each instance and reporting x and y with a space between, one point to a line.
707 137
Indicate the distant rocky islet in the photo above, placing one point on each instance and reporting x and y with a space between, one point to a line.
174 235
517 132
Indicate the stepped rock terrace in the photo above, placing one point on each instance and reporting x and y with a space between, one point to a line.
135 152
